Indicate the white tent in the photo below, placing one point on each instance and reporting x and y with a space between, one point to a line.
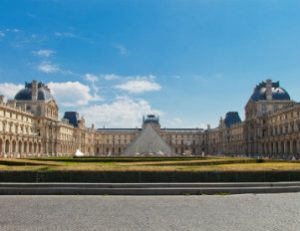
78 153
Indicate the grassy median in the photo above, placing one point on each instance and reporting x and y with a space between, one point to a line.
151 164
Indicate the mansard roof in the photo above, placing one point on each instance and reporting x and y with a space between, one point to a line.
73 117
232 118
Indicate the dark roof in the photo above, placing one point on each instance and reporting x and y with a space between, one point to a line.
118 129
26 93
72 117
150 119
232 118
278 92
183 129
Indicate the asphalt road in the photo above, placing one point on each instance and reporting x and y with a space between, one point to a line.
229 212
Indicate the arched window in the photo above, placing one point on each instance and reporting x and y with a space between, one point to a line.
288 146
7 146
20 147
30 148
35 148
25 147
294 147
14 146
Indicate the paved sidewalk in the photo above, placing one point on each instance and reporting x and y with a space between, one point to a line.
246 212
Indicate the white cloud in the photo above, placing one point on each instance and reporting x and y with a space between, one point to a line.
9 90
72 94
91 77
123 112
44 53
110 77
177 77
177 121
2 34
48 67
15 30
65 34
122 49
140 85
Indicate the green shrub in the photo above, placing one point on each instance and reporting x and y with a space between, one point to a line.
260 160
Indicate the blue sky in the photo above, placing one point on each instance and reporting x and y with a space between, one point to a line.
115 60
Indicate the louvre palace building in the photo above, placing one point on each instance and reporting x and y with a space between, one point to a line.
30 127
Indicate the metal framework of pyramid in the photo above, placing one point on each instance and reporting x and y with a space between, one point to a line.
150 143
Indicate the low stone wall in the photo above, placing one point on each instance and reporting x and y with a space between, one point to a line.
147 177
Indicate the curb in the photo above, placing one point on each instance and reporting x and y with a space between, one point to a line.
145 189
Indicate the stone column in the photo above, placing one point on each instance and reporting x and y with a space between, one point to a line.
7 149
17 149
21 148
2 147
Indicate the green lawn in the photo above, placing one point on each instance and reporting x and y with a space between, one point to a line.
194 164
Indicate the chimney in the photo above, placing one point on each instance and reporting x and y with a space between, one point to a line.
1 99
34 90
221 123
12 103
269 95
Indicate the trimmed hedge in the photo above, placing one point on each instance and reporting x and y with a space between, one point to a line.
146 177
116 159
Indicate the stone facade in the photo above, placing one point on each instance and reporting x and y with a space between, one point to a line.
271 127
30 127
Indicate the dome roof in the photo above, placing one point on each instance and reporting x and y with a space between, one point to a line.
43 92
278 93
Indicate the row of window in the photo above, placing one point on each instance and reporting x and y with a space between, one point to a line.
287 116
13 128
280 130
13 115
19 147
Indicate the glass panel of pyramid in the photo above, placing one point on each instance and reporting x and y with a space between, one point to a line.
149 143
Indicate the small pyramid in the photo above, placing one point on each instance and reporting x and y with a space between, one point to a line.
148 142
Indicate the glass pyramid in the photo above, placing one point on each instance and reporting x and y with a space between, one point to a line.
148 143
